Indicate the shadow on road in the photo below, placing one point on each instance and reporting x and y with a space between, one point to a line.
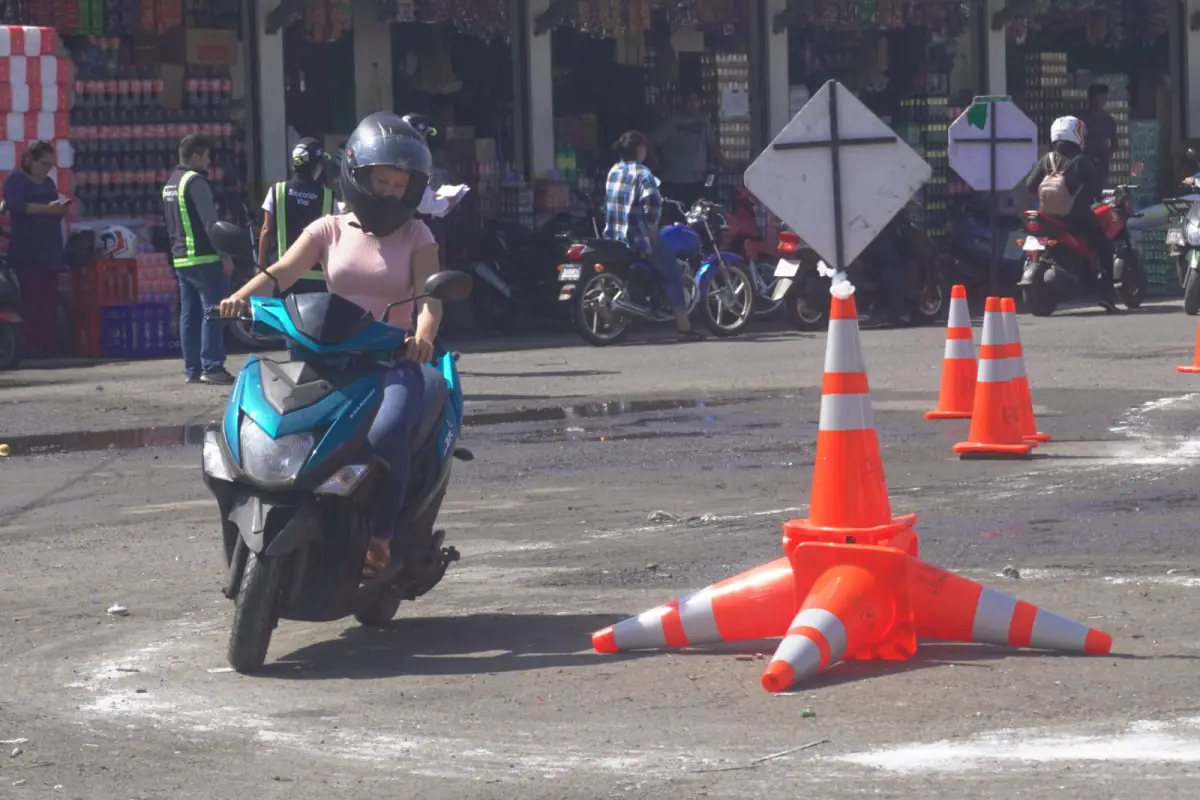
467 645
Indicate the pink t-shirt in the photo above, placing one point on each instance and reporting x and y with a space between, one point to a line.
371 271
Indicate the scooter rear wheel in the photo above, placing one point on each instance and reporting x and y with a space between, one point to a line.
1191 293
12 345
254 616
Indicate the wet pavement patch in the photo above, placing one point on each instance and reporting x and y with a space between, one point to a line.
92 441
599 410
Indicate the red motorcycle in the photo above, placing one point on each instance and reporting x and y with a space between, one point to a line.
1060 265
744 237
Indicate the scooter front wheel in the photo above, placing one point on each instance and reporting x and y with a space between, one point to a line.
1191 293
727 302
254 616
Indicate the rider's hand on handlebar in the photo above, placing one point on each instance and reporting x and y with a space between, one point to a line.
234 307
417 350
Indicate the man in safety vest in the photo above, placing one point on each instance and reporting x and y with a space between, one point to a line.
290 206
203 273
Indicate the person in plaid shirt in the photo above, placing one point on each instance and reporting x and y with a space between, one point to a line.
633 207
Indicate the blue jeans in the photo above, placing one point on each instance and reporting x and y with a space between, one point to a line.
662 258
403 401
201 288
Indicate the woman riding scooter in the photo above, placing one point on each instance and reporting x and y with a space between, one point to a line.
374 256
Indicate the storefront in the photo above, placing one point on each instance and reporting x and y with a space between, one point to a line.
909 62
1059 50
114 88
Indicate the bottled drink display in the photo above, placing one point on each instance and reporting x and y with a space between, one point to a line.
126 140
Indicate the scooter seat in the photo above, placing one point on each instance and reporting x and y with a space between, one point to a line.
437 392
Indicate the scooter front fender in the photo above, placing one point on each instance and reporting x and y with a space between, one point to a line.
274 530
711 267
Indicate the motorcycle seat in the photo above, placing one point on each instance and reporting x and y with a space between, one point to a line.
437 393
611 252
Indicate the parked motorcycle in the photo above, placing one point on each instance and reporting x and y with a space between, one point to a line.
608 284
516 268
806 291
1183 238
1060 264
971 248
12 324
295 482
745 237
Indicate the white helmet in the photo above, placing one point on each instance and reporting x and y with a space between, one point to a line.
1068 129
116 242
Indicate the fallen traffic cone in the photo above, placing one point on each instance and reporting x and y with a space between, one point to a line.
995 420
952 608
856 606
957 396
1020 379
757 604
849 500
1194 369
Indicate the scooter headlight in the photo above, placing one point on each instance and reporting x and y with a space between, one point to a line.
272 460
1192 231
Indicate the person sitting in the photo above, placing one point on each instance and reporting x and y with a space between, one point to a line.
374 255
633 208
1067 185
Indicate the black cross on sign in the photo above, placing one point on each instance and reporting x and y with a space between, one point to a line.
835 143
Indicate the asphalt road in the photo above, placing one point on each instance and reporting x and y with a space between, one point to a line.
487 687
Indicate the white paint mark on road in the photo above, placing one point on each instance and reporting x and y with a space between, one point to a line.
1146 742
159 508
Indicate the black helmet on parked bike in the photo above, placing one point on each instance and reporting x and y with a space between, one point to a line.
384 140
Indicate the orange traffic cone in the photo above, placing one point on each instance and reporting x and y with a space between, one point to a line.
995 420
756 604
849 501
952 608
957 396
1194 369
856 608
1016 360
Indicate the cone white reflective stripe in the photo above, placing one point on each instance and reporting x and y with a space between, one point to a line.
960 314
802 653
960 350
993 330
643 632
993 370
993 617
1054 632
843 353
697 619
1013 331
846 412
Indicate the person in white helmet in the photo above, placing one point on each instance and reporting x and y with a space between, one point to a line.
1066 159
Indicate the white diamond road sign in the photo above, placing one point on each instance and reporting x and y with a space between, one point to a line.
993 134
836 175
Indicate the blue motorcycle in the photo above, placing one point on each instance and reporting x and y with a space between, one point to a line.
609 284
295 480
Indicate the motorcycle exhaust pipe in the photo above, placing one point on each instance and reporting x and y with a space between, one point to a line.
624 306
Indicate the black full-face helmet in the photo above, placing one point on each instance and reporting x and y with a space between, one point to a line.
384 140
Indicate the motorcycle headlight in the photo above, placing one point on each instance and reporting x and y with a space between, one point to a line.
1192 231
272 460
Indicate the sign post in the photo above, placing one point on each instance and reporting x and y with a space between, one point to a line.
993 146
837 203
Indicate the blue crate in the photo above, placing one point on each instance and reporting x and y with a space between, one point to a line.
138 330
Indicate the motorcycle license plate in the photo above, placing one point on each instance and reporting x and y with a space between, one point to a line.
570 272
1012 248
1032 245
1175 236
1194 259
787 269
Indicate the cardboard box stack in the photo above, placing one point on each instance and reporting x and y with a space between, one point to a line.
35 100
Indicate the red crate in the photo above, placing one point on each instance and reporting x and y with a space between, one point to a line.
103 284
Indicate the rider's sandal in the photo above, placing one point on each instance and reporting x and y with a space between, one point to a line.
689 336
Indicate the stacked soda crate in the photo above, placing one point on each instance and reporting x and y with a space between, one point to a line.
36 78
125 308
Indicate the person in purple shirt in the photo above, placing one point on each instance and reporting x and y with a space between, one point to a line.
35 249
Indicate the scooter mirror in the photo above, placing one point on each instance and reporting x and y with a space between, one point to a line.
449 286
1192 156
232 240
709 181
